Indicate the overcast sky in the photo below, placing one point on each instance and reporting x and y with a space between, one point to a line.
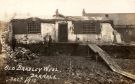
66 7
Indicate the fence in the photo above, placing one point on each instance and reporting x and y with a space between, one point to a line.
127 32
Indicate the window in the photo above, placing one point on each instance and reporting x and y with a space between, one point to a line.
34 27
89 27
86 27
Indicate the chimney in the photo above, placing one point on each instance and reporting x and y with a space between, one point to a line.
83 12
57 12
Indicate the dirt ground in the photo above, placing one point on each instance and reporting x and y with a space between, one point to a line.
126 64
73 70
63 69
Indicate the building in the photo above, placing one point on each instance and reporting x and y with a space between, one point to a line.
63 29
124 23
118 18
82 29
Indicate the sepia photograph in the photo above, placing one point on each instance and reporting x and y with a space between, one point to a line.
67 41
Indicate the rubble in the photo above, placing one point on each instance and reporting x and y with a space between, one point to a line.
21 54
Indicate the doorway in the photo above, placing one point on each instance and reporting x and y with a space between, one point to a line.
63 32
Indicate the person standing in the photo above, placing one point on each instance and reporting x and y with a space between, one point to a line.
47 42
50 39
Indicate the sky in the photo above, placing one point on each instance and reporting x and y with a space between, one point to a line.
66 7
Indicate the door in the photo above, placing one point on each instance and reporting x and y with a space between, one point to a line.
63 32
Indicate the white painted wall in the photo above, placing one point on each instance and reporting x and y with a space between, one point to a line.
117 36
29 38
48 28
106 34
82 37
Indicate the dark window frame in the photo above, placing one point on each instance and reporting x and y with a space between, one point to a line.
33 27
89 28
86 27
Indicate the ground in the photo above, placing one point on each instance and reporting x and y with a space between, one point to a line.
2 64
69 70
